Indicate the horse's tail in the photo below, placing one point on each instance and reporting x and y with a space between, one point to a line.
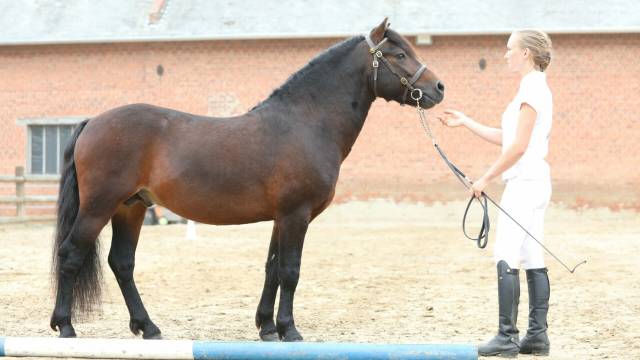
86 289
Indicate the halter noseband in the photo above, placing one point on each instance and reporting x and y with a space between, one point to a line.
374 50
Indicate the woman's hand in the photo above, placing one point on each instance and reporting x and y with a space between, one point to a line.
478 187
453 118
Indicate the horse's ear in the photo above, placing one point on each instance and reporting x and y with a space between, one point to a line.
377 34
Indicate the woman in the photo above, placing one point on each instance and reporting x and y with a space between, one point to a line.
524 137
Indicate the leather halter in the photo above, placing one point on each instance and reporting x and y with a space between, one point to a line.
375 51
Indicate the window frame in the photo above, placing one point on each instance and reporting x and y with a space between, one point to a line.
57 122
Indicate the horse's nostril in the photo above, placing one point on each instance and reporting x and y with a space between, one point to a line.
440 86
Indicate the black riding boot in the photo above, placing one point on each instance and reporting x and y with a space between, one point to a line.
536 341
505 344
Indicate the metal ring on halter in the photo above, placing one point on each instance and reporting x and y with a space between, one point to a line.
416 98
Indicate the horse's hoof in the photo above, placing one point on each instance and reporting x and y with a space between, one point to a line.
152 334
273 336
268 332
66 331
148 329
292 336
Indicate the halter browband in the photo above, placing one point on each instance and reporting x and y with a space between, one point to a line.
375 51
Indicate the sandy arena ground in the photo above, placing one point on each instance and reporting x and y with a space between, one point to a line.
372 271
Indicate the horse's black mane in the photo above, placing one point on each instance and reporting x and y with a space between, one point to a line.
325 59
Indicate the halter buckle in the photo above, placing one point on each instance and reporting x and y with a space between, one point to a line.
375 63
404 81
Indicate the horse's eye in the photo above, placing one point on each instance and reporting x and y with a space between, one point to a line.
400 56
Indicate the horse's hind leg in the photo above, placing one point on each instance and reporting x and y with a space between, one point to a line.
77 271
126 224
264 315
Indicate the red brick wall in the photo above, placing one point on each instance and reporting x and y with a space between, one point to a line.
595 80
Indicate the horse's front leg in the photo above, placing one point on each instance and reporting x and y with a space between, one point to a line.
292 229
264 314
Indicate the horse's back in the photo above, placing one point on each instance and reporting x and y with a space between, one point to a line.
144 117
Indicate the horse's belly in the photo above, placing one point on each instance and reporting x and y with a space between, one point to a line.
227 216
216 208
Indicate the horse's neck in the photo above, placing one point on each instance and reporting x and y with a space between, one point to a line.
339 102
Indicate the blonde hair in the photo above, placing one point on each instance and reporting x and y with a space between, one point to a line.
539 43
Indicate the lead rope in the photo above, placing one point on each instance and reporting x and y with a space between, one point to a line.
483 237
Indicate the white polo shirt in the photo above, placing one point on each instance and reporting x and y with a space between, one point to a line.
536 93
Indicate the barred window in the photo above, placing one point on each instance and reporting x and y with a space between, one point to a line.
46 148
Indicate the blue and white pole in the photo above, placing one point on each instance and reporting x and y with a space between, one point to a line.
187 349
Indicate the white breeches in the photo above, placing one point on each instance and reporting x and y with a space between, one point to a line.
526 201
